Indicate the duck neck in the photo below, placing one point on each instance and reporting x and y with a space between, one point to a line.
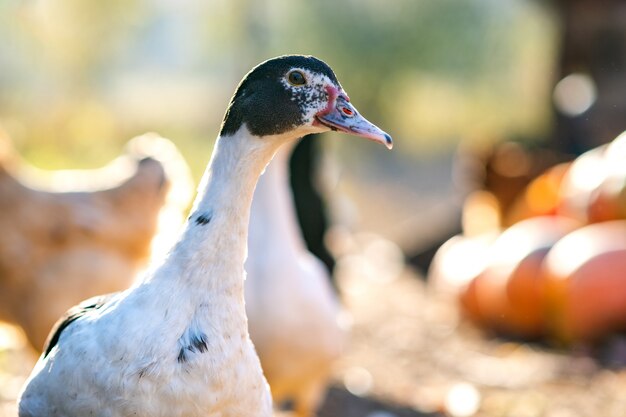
273 210
210 253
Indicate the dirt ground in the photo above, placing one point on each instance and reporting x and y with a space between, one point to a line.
418 357
410 355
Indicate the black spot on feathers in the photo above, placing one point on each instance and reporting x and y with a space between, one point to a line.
198 343
204 219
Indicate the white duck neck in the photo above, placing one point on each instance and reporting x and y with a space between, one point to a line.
213 245
273 209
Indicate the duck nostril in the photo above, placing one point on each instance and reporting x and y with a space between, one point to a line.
347 111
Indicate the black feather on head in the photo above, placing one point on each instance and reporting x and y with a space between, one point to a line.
264 104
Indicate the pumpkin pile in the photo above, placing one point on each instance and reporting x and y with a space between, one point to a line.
556 268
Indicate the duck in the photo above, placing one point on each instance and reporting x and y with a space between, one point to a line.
292 309
309 185
177 342
72 234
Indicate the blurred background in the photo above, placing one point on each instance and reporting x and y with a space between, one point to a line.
482 95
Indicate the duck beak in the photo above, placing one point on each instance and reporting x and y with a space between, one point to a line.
343 117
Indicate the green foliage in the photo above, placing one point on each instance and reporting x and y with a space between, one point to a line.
89 74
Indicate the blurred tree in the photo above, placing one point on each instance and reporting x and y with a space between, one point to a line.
432 69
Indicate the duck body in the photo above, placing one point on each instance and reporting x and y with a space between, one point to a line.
177 343
122 380
290 303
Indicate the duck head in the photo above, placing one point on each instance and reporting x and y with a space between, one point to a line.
295 95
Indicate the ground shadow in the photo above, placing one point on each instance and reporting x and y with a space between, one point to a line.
341 403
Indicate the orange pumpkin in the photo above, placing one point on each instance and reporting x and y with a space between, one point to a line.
594 188
586 282
608 201
457 262
584 175
540 197
468 300
508 294
616 151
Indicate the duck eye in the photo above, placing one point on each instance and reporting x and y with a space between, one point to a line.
296 78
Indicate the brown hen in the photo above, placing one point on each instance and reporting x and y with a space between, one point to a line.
66 236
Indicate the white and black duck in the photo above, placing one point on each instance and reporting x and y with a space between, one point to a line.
177 343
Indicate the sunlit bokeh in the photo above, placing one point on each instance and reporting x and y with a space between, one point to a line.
482 99
86 76
574 94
